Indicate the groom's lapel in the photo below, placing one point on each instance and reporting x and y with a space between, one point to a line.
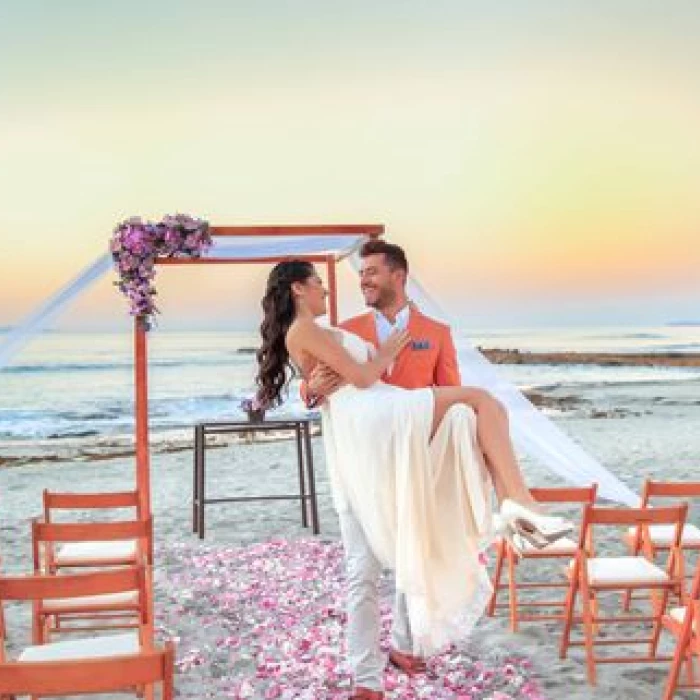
414 322
403 365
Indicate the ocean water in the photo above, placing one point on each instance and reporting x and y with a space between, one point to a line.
80 385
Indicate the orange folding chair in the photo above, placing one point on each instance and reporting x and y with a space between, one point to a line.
122 662
660 536
683 623
591 575
93 554
564 548
108 611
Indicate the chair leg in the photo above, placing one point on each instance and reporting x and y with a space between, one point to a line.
690 669
588 633
656 630
674 671
512 590
37 628
168 672
569 607
627 600
681 576
496 581
595 609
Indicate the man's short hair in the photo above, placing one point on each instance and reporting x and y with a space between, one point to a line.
393 254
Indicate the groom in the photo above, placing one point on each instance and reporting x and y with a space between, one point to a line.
429 360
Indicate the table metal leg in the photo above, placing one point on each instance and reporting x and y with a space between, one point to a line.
312 480
302 479
200 489
195 486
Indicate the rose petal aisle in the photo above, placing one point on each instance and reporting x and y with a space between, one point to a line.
266 621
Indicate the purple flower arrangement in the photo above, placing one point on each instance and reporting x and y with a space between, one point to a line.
136 244
254 408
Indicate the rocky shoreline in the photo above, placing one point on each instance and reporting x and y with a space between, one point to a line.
501 356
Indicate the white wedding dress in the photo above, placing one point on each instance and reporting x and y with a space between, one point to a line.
424 505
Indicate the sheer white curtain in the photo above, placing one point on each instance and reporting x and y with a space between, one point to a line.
532 431
41 318
231 247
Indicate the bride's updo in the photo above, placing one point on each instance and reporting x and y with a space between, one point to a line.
278 314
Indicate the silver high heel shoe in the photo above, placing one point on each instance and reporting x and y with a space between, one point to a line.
539 530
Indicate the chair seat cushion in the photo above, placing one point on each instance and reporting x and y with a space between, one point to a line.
678 614
127 598
96 551
665 534
92 648
563 545
622 570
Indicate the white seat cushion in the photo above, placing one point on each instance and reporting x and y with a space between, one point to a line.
609 570
96 551
561 546
665 534
678 614
92 648
126 598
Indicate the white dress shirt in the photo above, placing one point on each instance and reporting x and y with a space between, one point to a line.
385 327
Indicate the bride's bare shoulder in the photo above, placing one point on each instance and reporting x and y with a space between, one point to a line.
302 329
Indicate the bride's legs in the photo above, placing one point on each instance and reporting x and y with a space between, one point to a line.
493 435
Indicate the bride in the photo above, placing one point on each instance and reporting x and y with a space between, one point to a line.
416 467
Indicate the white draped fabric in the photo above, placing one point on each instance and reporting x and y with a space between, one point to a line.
228 247
240 247
56 304
532 431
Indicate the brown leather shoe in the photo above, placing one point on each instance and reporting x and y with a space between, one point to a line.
409 664
367 694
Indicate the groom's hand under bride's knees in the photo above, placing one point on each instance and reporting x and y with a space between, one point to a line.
323 381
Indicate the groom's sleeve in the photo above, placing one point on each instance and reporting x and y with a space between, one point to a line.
447 368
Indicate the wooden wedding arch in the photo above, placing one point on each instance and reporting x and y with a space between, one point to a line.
320 244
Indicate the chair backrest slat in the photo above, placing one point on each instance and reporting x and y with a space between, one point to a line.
674 489
86 501
586 494
89 675
91 531
38 587
668 515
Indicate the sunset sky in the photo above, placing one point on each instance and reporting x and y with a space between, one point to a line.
539 160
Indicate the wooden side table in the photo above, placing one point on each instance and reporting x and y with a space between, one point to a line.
305 465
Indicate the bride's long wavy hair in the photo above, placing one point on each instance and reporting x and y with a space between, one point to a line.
274 369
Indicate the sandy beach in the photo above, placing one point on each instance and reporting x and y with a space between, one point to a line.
635 446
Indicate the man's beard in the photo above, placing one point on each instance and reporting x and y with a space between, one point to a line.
385 297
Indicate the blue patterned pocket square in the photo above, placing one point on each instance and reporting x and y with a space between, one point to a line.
420 345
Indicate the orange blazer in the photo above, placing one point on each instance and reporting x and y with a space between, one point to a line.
428 360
